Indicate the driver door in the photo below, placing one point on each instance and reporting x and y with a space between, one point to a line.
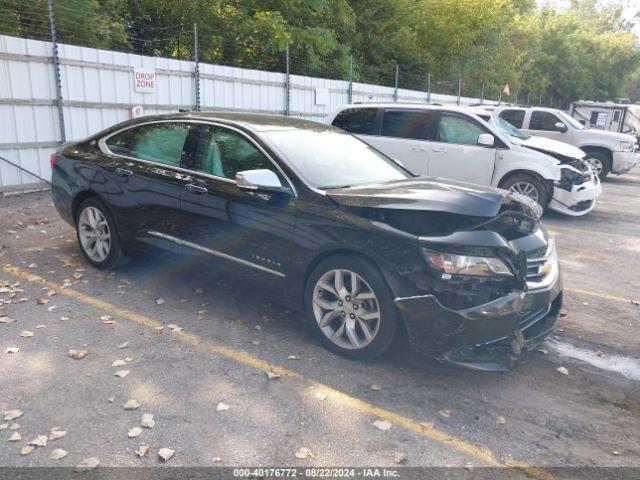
250 229
455 152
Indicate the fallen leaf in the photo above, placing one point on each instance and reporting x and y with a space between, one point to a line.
500 420
131 405
216 459
383 425
272 376
635 302
399 457
198 291
543 351
42 301
15 437
12 350
563 313
255 342
33 265
257 328
26 449
118 363
39 441
175 328
12 414
445 413
142 450
51 308
134 432
222 406
321 395
375 388
40 327
7 320
121 373
111 399
160 301
615 452
147 420
123 345
4 426
78 354
77 276
563 370
108 320
87 464
56 433
427 425
57 454
165 454
14 426
600 353
64 318
303 452
26 334
293 357
128 359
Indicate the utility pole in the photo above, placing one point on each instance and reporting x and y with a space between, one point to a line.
196 51
429 87
482 94
287 86
395 92
459 90
350 79
56 68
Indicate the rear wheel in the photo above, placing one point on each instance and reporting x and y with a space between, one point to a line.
600 163
350 307
97 235
527 185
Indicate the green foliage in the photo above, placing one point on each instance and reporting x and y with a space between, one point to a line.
586 51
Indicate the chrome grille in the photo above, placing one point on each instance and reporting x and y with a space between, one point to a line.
541 265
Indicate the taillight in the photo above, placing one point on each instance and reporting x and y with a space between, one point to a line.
52 159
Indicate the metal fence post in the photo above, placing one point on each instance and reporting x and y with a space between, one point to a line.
395 92
196 72
287 86
528 99
459 90
350 78
482 94
56 68
429 87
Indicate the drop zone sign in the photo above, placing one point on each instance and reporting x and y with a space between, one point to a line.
144 80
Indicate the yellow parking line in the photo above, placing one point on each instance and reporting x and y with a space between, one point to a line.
476 451
606 296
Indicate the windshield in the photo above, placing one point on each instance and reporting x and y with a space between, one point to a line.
570 120
506 128
331 159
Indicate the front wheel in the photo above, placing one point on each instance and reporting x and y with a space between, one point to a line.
350 307
529 186
97 235
599 162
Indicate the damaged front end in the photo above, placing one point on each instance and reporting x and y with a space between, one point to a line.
577 191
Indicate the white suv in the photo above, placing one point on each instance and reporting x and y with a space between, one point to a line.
606 151
453 142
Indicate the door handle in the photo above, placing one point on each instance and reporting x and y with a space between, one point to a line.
419 149
192 187
123 172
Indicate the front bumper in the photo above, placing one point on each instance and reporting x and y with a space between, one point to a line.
487 337
623 162
579 201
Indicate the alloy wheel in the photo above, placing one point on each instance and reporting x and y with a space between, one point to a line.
346 309
95 237
596 165
527 189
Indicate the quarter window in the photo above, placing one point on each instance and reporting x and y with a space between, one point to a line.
356 120
223 153
514 117
415 124
543 121
155 142
455 129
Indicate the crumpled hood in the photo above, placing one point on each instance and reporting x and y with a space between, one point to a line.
547 145
422 193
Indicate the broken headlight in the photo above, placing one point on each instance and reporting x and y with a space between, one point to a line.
453 264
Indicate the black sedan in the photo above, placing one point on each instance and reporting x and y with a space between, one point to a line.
359 244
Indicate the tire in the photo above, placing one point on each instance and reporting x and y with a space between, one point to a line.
93 219
600 162
524 182
373 299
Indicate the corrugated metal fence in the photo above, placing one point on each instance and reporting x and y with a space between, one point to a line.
98 91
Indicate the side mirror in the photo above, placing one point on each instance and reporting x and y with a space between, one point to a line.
560 127
261 180
486 140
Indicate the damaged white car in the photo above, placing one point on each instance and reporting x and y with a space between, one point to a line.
454 142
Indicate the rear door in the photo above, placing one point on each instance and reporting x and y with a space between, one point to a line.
150 178
455 153
543 123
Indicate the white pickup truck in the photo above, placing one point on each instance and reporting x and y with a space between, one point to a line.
606 151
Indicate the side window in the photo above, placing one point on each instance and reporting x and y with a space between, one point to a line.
455 129
543 121
356 120
514 117
224 153
156 142
415 124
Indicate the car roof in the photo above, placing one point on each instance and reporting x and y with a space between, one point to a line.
413 106
258 122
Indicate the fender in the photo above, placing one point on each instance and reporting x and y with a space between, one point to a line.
524 159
